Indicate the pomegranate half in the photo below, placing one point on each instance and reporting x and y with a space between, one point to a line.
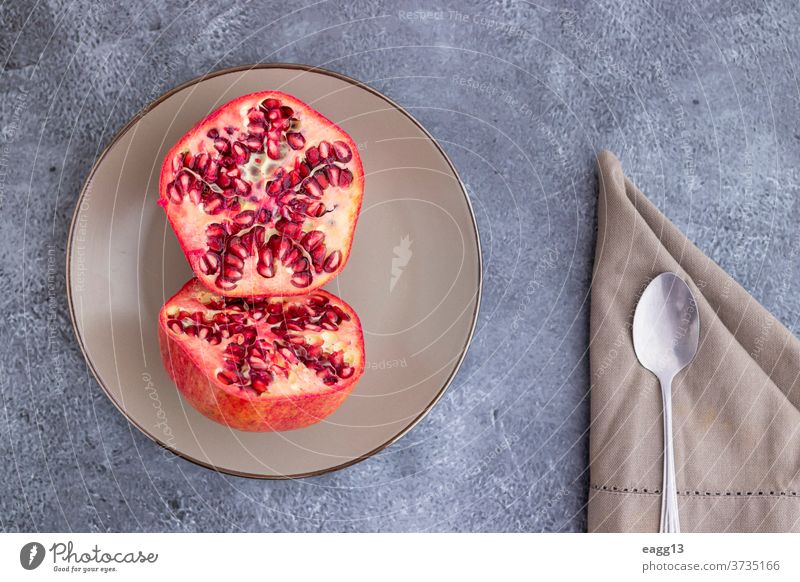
268 364
264 195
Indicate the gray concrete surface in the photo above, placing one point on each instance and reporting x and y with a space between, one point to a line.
700 100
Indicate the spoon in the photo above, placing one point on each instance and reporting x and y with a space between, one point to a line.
666 331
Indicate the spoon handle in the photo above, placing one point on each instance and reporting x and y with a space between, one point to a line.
670 522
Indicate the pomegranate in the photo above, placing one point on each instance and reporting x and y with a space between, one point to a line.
266 364
264 195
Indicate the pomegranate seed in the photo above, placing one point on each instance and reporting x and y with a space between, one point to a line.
216 229
173 194
216 243
301 279
196 193
256 116
318 257
324 150
266 265
291 255
345 178
322 179
312 188
214 204
260 383
300 265
213 133
222 145
312 155
315 209
273 150
212 171
209 263
346 372
233 262
255 144
332 262
329 380
332 172
342 315
249 242
270 104
245 219
263 216
343 152
201 162
242 187
236 248
175 326
230 274
312 239
240 153
226 377
296 141
287 111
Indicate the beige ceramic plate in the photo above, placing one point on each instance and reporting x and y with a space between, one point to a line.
414 277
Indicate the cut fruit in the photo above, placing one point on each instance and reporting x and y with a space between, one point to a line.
269 364
264 195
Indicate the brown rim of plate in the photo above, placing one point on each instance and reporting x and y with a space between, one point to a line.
308 69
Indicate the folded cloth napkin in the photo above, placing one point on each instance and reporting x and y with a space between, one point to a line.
736 424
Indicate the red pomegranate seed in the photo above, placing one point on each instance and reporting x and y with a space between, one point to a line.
245 218
312 155
345 178
173 194
296 141
226 377
301 279
324 150
343 152
315 209
214 204
312 239
312 188
236 248
240 153
273 150
332 262
346 372
209 263
266 265
332 172
222 145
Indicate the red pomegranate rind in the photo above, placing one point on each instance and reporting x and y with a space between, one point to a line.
264 195
268 364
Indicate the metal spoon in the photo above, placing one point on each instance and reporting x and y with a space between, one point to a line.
666 331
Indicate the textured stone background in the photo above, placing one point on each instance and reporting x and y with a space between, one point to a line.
700 101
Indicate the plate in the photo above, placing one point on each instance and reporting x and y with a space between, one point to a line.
414 276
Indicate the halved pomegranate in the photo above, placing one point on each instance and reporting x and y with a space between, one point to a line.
267 364
264 195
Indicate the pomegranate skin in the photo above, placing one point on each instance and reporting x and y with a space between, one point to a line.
244 410
332 210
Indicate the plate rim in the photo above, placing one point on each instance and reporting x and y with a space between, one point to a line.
124 130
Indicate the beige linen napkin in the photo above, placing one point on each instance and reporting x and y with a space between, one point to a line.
736 420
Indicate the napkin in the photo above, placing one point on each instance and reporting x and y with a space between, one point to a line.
736 424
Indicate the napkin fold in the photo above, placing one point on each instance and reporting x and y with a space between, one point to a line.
736 417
